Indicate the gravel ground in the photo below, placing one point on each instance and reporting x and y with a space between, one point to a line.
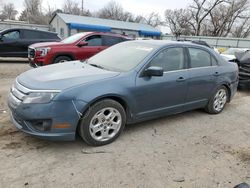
192 149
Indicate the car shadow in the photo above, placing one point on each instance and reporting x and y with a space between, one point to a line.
131 130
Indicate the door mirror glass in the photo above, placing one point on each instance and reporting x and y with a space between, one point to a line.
154 71
82 43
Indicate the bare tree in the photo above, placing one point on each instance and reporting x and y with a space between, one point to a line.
139 19
234 14
242 30
178 21
33 12
153 19
9 12
71 7
199 10
113 10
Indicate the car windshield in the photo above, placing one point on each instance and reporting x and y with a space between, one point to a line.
232 51
73 38
122 57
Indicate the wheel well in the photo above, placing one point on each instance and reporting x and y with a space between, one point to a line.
67 55
115 98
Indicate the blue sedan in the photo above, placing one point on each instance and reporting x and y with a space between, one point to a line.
130 82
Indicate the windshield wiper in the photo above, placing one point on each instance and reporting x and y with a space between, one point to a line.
95 65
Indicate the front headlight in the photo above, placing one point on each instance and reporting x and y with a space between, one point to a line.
42 51
43 97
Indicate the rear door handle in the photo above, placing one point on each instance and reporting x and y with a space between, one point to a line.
180 79
216 74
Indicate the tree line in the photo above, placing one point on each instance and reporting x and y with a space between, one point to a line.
36 14
201 17
219 18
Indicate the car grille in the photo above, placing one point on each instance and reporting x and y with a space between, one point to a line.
31 52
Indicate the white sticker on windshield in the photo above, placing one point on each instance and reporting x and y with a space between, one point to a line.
144 48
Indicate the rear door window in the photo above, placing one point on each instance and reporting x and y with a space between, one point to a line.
199 58
111 40
31 34
12 35
94 40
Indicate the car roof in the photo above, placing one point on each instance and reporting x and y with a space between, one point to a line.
162 43
108 33
27 29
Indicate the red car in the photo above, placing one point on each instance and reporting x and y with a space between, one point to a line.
76 47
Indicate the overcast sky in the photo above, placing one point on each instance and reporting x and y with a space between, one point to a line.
137 7
142 7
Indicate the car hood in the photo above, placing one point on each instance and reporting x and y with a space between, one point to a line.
62 76
46 44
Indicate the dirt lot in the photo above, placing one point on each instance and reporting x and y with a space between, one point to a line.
193 149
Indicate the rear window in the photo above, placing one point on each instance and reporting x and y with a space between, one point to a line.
38 35
199 58
111 40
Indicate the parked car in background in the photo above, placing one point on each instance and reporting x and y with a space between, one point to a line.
229 54
80 46
243 61
127 83
14 42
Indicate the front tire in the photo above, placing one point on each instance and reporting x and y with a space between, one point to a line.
218 101
102 123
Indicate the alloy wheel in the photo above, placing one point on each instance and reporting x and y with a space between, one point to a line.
220 100
105 124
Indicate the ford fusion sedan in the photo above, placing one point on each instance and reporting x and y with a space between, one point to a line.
130 82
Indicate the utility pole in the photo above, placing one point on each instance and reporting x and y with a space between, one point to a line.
82 7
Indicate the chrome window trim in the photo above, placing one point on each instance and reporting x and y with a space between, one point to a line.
203 67
27 90
190 69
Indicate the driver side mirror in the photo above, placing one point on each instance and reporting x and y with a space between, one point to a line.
82 43
154 71
1 37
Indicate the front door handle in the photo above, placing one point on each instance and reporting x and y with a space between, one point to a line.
180 79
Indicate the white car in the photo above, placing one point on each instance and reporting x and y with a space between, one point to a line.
229 54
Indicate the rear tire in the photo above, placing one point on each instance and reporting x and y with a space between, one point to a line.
102 123
218 101
62 59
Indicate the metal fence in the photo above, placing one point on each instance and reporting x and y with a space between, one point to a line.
19 24
223 42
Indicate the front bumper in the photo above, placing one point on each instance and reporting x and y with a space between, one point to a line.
57 112
48 136
36 63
